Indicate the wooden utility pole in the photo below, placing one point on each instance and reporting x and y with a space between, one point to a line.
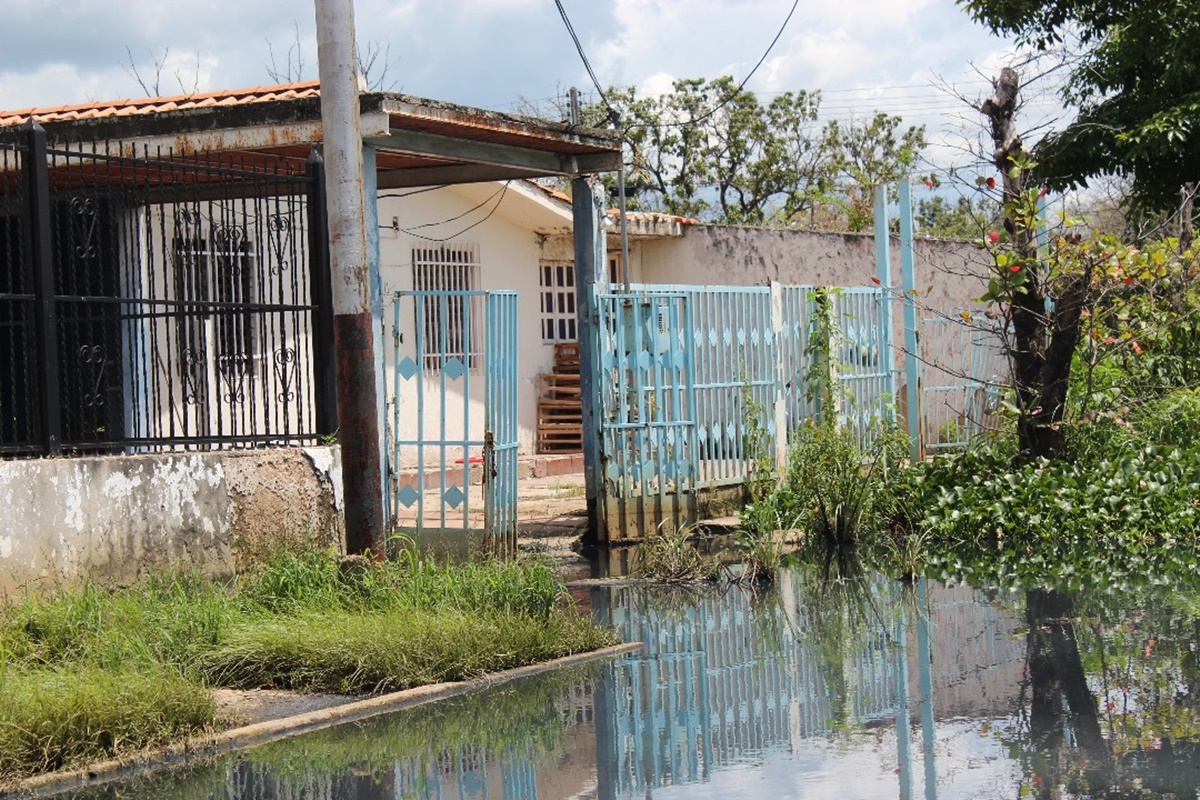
353 331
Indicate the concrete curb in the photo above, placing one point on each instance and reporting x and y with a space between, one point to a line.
208 746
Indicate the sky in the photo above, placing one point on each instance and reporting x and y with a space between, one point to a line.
905 57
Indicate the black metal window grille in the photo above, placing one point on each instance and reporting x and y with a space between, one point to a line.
157 303
449 317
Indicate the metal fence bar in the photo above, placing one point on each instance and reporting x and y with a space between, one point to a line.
174 301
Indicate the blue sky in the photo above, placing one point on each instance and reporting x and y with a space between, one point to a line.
864 55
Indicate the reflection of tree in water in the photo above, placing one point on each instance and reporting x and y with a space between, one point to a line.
1134 730
844 620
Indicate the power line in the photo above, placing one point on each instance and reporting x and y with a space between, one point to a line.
615 117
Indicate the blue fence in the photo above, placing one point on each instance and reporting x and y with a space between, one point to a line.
699 384
964 372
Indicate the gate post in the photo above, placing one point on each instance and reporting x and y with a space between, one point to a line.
324 375
590 260
912 364
41 260
883 273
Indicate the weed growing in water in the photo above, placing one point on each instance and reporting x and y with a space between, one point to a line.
670 557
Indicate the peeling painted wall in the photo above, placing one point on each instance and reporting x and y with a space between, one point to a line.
117 518
949 273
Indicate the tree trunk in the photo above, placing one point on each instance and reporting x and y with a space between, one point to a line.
1043 342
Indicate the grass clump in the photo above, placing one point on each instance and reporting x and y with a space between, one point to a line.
392 650
66 716
89 673
671 557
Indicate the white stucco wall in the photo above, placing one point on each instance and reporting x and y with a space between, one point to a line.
510 253
117 518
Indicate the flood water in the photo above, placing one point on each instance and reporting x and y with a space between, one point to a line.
815 688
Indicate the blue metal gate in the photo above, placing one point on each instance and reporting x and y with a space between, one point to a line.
646 411
453 424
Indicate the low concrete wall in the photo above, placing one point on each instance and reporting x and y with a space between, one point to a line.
117 518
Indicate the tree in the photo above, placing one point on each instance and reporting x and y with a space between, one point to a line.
1046 295
1137 87
870 154
706 149
966 219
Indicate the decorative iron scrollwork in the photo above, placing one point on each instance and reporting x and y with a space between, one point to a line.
83 213
287 369
280 238
95 362
233 368
193 372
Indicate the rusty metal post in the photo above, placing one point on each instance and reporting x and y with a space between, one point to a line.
590 261
353 332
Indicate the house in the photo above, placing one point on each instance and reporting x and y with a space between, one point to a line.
165 330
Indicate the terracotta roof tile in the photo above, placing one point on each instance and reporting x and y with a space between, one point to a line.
150 105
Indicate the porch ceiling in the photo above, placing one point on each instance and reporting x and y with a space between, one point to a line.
418 142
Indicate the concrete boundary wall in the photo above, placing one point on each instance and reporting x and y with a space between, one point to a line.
118 518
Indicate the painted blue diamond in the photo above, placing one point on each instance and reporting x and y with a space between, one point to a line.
649 469
643 360
727 337
683 468
407 496
712 337
407 368
702 433
453 496
741 336
453 368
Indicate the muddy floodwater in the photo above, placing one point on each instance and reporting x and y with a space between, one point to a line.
813 688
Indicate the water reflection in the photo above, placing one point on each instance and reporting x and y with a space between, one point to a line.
831 684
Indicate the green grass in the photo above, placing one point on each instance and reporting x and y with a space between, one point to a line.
88 673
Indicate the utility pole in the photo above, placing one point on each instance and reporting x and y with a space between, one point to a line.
353 331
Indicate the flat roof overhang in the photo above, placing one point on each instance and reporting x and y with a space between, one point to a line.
417 142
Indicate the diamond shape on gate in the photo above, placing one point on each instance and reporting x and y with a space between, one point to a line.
643 360
727 337
683 468
407 368
407 496
702 433
453 369
712 337
649 469
741 336
664 359
754 336
453 496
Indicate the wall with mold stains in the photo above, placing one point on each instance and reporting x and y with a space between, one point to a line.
950 274
117 518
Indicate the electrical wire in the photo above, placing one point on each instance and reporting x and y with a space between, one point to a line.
615 117
501 192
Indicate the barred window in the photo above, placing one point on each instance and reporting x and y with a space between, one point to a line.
558 301
214 279
449 321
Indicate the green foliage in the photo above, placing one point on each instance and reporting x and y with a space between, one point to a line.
127 667
1137 87
832 490
1134 509
966 219
347 652
671 557
759 164
58 717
